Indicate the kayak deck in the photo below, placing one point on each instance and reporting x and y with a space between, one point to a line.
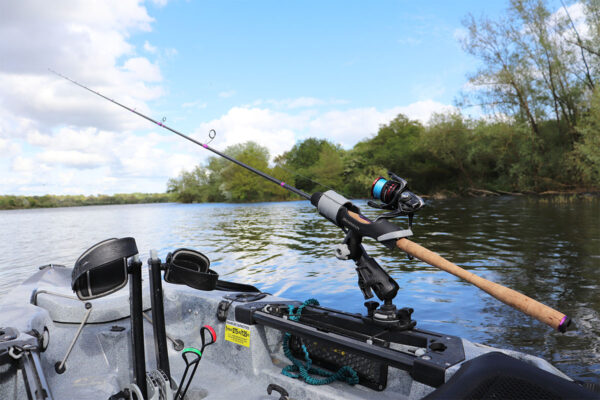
100 363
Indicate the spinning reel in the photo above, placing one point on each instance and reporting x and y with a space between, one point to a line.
395 196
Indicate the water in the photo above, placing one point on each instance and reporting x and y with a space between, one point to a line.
548 249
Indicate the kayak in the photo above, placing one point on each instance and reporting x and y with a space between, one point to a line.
81 333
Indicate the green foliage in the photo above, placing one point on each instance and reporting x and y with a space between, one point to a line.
329 167
9 202
535 65
239 184
195 186
450 153
221 180
313 160
448 140
397 147
586 155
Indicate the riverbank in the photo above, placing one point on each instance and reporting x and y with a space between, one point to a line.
10 202
475 192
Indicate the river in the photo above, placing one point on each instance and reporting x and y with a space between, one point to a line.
547 248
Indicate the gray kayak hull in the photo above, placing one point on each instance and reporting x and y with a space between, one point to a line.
100 363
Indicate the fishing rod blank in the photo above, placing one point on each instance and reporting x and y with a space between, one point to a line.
206 146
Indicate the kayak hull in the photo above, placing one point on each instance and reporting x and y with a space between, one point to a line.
100 362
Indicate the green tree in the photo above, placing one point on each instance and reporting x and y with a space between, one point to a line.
587 152
448 138
329 167
194 186
537 72
397 148
239 184
304 160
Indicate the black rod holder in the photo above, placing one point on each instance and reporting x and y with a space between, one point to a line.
158 314
137 324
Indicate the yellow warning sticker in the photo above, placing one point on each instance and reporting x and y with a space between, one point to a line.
237 333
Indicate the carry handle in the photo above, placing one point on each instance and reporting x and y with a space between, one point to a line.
519 301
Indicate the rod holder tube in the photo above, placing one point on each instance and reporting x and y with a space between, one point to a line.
158 315
137 324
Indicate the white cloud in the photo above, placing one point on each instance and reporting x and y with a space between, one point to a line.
300 102
160 3
410 41
272 129
22 164
350 126
227 94
92 161
303 102
46 141
67 139
577 13
88 41
143 69
460 34
171 52
149 48
72 158
278 131
422 110
195 104
8 148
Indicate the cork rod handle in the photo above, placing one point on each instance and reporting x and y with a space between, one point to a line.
519 301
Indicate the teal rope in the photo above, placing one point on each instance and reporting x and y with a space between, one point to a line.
298 370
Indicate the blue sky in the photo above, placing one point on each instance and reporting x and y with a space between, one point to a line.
366 54
270 71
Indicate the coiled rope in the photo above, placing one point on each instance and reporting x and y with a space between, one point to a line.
300 370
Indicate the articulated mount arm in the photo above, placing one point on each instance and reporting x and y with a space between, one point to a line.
371 277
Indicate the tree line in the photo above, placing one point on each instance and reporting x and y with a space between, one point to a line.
537 87
9 202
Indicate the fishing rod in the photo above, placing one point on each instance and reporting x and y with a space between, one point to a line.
399 201
205 145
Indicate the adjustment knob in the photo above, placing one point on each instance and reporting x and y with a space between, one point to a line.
371 307
342 251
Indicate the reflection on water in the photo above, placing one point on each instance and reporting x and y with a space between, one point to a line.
547 249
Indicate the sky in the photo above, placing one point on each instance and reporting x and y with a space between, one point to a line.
274 72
